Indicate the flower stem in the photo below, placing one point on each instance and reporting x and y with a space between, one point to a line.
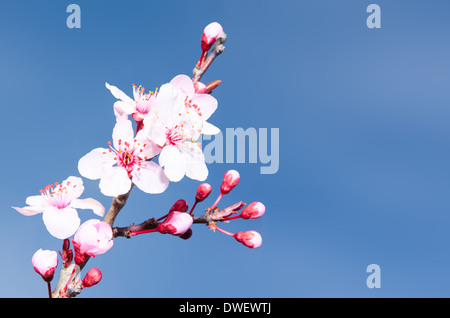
193 207
143 231
49 290
223 231
217 201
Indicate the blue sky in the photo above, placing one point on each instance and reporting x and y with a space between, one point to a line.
364 122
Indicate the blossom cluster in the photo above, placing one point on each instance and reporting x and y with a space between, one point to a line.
154 142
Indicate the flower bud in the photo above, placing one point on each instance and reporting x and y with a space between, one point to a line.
67 253
203 192
250 239
92 238
44 263
200 88
180 206
230 180
253 211
210 35
93 276
176 223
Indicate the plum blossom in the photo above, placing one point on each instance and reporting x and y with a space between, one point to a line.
94 237
197 102
126 162
138 107
45 263
58 204
176 131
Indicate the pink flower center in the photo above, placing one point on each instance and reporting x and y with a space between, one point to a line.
128 156
58 195
144 102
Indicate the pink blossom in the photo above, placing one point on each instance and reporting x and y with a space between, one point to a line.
197 102
45 263
126 162
210 35
176 131
230 180
92 277
253 211
58 204
138 107
94 237
176 223
203 192
250 239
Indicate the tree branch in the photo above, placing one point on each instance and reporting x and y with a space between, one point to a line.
218 48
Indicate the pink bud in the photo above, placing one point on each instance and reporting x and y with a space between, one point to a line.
230 180
67 253
253 211
180 206
250 239
210 34
44 263
203 192
93 276
176 223
93 237
200 88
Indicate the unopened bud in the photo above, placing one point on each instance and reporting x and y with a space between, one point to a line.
45 263
93 276
203 192
67 253
210 35
200 88
180 206
176 223
253 211
230 180
250 239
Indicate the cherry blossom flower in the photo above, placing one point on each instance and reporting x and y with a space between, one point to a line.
94 237
126 162
138 107
176 133
197 102
45 263
58 204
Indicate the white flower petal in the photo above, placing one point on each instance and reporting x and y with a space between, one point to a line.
184 83
150 178
74 186
29 210
37 201
206 103
174 163
123 131
89 203
124 108
209 129
117 93
169 104
61 223
91 166
114 181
